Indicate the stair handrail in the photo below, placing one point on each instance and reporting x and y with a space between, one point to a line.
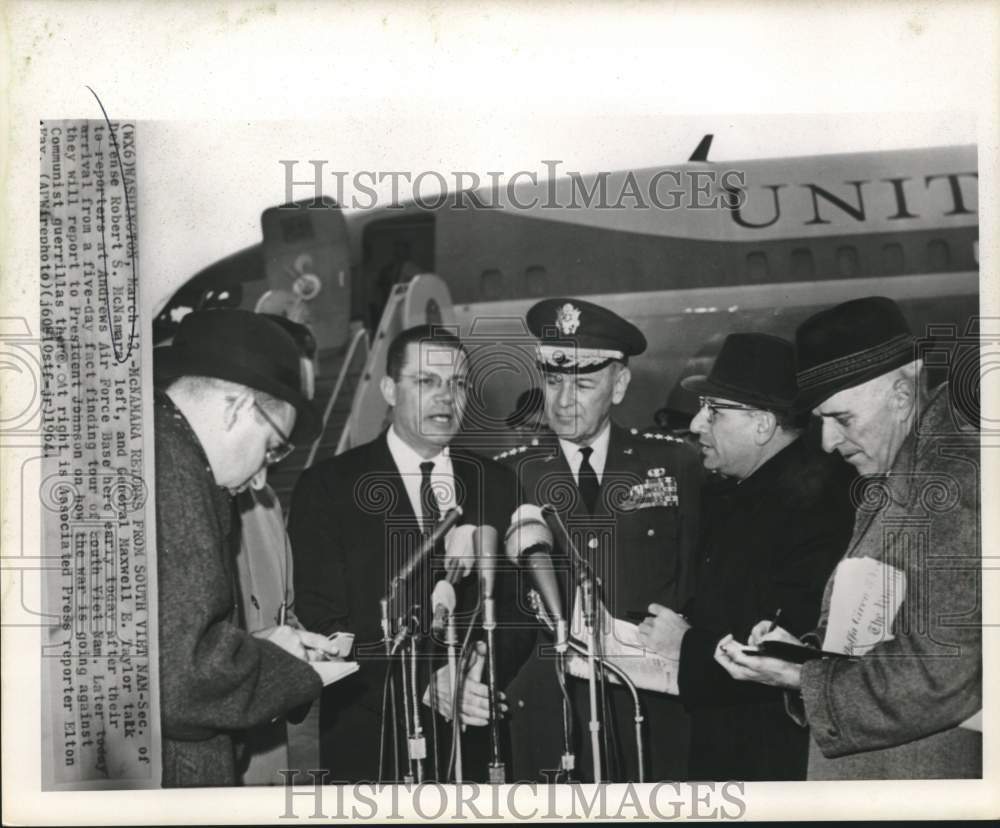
360 335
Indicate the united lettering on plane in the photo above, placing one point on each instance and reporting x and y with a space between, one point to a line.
888 199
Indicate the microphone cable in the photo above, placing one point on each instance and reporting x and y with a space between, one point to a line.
609 731
626 682
567 712
456 715
382 730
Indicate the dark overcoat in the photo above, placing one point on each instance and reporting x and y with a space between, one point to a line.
215 678
768 543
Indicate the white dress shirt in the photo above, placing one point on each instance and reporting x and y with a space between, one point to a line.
598 458
408 463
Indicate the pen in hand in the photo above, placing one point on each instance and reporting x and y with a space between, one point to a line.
774 621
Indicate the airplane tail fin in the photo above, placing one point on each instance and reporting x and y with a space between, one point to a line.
701 151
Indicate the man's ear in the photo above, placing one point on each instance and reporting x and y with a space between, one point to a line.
906 386
236 404
622 379
764 428
388 388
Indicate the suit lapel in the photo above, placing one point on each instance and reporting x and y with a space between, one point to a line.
467 485
382 460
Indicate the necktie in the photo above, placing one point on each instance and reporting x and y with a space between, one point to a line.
589 487
428 501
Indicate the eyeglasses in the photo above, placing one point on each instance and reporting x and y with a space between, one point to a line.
714 407
275 455
432 382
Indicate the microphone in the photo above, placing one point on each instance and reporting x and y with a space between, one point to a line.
485 541
529 542
459 553
443 602
449 520
554 522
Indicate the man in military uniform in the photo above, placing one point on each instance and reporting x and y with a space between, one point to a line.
630 502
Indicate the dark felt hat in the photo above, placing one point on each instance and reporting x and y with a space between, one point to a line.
242 347
580 337
850 344
753 369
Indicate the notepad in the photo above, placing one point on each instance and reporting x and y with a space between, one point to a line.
793 653
333 671
620 645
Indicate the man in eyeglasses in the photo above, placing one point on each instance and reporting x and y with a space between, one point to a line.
905 603
265 568
776 517
356 518
232 401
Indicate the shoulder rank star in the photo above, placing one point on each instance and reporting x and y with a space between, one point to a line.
503 455
568 319
658 435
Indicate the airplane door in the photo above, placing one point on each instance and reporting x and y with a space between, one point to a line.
307 267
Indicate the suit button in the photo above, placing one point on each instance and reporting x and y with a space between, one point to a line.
650 532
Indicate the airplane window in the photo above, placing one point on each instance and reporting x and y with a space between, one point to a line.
757 269
847 261
893 263
938 255
491 285
536 280
803 266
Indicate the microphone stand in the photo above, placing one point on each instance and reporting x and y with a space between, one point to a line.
401 639
418 744
589 582
568 759
387 639
451 642
638 718
589 613
497 772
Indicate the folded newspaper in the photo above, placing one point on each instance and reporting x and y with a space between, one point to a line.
620 645
866 596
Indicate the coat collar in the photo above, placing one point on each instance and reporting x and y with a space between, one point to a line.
875 493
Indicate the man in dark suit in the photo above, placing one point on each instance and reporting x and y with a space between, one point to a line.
630 501
355 520
775 520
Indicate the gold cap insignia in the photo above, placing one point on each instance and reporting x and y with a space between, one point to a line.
568 319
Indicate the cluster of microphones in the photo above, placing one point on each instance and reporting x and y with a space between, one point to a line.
528 543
